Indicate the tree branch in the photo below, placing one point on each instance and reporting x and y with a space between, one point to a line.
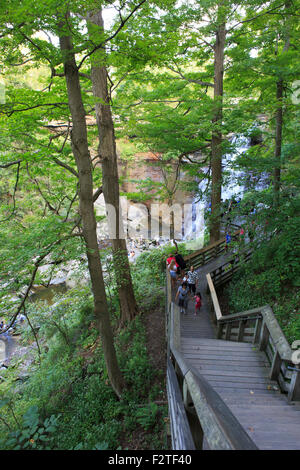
191 80
122 24
66 166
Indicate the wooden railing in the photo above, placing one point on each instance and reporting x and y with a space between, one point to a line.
258 326
206 254
224 273
196 410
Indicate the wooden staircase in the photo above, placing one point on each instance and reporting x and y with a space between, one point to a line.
239 373
234 372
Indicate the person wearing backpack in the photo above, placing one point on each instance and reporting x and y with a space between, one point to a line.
181 263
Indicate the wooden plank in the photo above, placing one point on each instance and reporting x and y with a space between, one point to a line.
213 341
220 427
257 330
181 435
214 297
247 331
276 366
241 330
261 408
294 392
229 346
223 361
242 355
246 373
247 386
208 250
202 367
286 431
237 379
258 400
238 394
283 415
223 358
264 337
276 333
227 331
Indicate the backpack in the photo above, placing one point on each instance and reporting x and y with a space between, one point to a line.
179 259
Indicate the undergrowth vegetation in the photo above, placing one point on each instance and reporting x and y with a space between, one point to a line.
273 274
64 380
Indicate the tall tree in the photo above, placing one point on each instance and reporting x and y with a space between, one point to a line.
109 162
83 161
280 85
216 139
44 102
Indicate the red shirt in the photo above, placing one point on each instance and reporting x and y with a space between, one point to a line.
170 259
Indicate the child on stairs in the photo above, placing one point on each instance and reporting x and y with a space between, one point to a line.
198 303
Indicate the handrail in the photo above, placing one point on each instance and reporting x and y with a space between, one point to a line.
208 414
214 297
182 438
266 332
201 257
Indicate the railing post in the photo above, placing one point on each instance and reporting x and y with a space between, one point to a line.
219 330
264 337
257 330
227 331
276 365
194 423
294 392
241 330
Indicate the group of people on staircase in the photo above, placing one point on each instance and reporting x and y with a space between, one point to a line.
188 283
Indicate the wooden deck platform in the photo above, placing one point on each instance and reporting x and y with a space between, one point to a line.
239 373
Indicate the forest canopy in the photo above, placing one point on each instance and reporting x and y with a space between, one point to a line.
190 101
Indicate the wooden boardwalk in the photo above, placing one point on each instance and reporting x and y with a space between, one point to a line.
240 375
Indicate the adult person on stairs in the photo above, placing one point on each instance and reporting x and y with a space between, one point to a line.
173 272
192 279
182 294
179 261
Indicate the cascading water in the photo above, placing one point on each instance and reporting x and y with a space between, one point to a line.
235 182
2 351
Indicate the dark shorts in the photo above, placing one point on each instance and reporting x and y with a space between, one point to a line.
182 302
192 288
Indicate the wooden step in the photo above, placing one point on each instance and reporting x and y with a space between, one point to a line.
242 354
215 366
223 357
216 342
238 380
239 373
261 373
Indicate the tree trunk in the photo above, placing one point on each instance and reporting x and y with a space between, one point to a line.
84 166
278 142
110 177
279 123
216 142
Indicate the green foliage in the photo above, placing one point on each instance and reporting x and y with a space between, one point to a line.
148 274
72 382
273 274
161 70
146 415
34 434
